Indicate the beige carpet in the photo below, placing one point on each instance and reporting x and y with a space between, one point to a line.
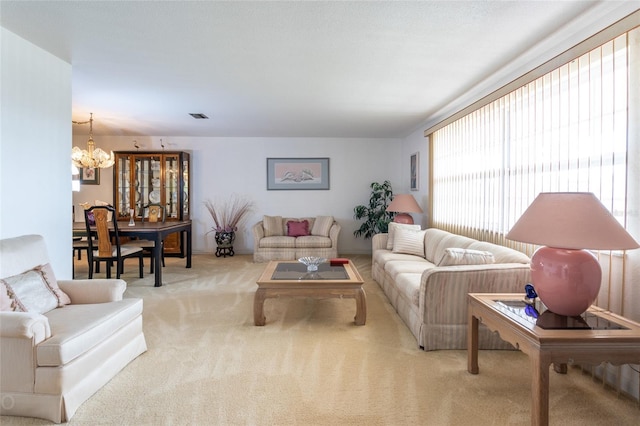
207 364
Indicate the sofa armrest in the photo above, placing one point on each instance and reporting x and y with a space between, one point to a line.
25 325
444 289
258 234
379 242
334 231
93 291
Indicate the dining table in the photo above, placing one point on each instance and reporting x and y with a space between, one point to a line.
153 231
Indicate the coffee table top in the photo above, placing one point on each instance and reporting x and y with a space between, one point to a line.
293 273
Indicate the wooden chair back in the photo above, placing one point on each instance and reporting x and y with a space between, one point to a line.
100 235
155 213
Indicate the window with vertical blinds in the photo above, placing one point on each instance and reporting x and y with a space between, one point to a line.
565 131
575 128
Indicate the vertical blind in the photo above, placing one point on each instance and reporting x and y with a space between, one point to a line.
575 128
565 131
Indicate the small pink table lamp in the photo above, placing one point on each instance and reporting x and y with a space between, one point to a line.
566 277
403 204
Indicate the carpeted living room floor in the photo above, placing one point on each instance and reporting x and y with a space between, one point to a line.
207 364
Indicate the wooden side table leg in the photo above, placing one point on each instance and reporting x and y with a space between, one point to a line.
539 390
361 307
258 307
472 344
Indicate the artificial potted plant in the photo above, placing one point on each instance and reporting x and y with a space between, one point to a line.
226 216
376 216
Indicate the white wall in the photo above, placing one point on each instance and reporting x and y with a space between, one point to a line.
416 143
35 142
225 166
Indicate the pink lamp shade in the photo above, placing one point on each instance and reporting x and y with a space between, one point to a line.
566 277
403 204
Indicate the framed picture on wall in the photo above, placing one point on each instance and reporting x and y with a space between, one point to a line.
90 176
414 171
297 173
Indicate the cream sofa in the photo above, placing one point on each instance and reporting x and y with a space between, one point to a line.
51 362
432 299
273 241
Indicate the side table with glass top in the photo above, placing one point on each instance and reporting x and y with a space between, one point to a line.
594 337
291 279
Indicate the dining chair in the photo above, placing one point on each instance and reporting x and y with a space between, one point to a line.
152 213
104 243
80 244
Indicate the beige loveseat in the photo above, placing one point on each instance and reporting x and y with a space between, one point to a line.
431 298
282 238
74 337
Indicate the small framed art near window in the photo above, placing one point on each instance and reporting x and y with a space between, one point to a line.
90 176
415 172
297 173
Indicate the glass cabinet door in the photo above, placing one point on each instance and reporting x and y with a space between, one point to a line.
185 187
171 193
147 190
123 187
143 178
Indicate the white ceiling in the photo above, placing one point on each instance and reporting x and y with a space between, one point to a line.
291 68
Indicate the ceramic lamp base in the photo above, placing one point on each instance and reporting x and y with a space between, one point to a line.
567 281
403 218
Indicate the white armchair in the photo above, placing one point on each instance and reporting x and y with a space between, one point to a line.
53 361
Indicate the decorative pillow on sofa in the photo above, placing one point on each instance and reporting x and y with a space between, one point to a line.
459 256
35 290
272 226
392 232
409 241
297 228
322 226
6 302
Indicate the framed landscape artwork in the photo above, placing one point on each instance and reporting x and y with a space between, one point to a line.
415 175
90 176
297 173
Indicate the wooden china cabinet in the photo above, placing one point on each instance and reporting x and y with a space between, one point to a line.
153 177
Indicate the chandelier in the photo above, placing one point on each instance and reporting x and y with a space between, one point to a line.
91 157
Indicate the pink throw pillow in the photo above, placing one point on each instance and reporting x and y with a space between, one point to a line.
297 229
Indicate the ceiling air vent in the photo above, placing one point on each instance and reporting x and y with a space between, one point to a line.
198 116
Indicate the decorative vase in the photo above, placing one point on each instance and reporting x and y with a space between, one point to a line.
224 241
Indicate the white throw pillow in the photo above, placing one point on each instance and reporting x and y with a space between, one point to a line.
459 256
6 302
393 226
35 291
409 241
272 226
322 226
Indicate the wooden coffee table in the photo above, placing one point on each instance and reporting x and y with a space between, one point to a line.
291 279
592 338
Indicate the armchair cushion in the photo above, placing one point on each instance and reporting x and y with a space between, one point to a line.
78 328
35 290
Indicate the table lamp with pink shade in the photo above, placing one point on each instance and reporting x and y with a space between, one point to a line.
565 275
403 204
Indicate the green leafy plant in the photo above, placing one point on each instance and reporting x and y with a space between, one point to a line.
376 216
